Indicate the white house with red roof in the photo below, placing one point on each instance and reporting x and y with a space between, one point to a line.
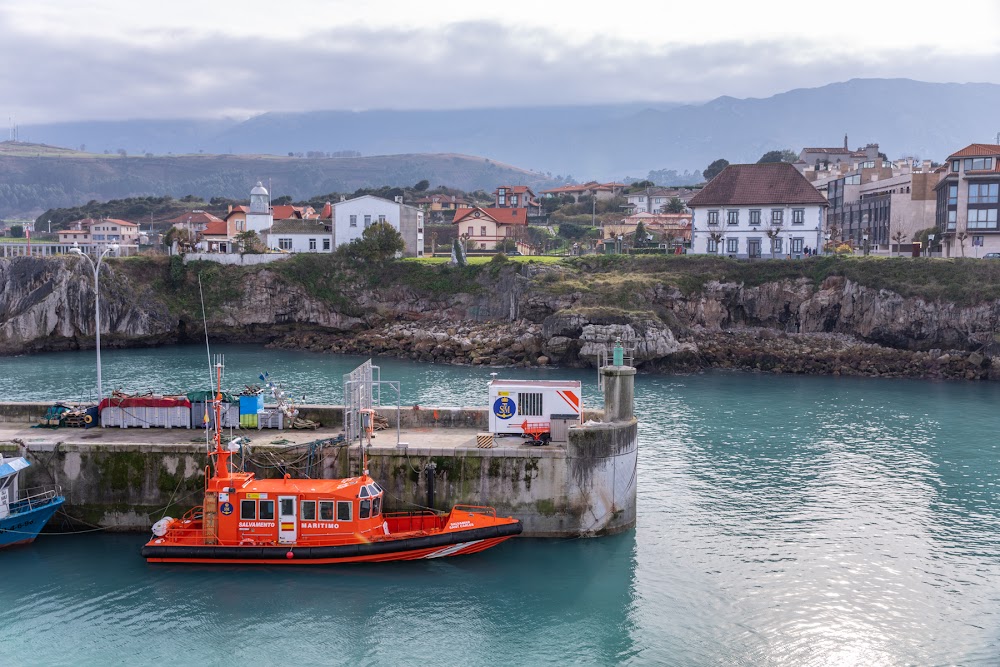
484 228
194 221
601 191
517 196
757 210
100 232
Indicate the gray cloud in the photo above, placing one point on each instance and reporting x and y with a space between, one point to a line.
472 64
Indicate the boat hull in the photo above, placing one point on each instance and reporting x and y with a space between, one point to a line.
23 527
444 544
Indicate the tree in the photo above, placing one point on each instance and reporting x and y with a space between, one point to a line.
712 170
638 185
640 235
422 185
898 238
506 246
378 244
778 156
249 242
283 200
675 205
772 232
961 237
17 231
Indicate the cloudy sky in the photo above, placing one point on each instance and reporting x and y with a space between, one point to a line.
114 59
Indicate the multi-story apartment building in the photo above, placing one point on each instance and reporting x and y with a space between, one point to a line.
968 200
887 203
353 216
757 210
654 199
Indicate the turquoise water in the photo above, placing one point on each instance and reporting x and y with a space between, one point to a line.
782 521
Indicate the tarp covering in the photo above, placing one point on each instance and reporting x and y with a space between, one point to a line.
11 466
208 396
146 402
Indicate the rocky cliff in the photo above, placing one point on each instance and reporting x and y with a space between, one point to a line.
803 317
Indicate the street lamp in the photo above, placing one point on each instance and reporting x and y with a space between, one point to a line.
97 305
864 237
930 244
826 246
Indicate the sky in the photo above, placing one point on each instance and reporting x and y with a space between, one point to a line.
119 59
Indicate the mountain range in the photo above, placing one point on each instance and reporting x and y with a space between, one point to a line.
905 117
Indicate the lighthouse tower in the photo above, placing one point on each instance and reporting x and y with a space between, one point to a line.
259 218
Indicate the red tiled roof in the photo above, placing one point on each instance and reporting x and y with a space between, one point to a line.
327 211
216 228
505 216
196 217
758 184
978 150
287 212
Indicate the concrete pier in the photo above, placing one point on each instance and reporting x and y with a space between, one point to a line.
125 479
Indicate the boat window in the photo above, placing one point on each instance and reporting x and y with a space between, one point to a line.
287 506
366 509
326 510
378 488
308 510
248 510
344 510
376 506
267 510
364 492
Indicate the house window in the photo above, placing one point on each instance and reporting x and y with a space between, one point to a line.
326 244
529 405
312 244
248 510
285 244
982 218
368 221
755 216
344 510
354 221
482 230
513 201
952 195
308 510
501 197
954 166
797 245
798 217
732 246
776 245
952 217
777 216
713 245
983 193
381 218
978 163
713 217
733 217
470 230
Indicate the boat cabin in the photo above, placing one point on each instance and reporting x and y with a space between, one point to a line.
250 511
8 482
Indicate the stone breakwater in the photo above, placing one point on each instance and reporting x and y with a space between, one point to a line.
523 344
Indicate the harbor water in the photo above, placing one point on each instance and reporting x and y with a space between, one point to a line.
782 521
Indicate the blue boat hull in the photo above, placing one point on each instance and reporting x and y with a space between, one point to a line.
23 527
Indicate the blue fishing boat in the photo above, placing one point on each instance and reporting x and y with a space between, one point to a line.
22 516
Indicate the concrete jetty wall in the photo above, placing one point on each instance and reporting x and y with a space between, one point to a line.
585 487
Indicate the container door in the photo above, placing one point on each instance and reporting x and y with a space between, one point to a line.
287 521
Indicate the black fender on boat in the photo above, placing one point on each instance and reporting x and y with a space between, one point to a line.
340 551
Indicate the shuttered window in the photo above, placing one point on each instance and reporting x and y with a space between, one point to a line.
529 405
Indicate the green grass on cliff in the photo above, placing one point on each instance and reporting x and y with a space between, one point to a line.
960 281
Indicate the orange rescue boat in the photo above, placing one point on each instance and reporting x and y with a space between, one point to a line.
313 521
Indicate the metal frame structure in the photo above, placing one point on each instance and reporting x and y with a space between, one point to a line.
605 356
363 392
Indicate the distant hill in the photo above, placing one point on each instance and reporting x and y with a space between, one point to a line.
905 117
34 178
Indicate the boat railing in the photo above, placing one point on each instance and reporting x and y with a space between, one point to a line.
413 520
35 497
476 509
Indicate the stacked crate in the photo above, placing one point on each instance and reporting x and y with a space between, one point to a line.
250 409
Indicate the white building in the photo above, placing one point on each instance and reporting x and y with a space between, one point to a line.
353 216
299 236
757 210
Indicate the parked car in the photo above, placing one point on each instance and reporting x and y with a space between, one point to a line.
992 255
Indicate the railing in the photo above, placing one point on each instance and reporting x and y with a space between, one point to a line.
34 498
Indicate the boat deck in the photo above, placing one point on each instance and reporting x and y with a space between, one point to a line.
419 441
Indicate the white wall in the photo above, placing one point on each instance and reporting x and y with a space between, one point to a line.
300 241
810 231
360 207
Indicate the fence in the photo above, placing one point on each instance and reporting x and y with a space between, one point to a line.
52 249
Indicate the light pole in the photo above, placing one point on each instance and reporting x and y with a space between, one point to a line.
930 244
826 246
97 306
864 237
